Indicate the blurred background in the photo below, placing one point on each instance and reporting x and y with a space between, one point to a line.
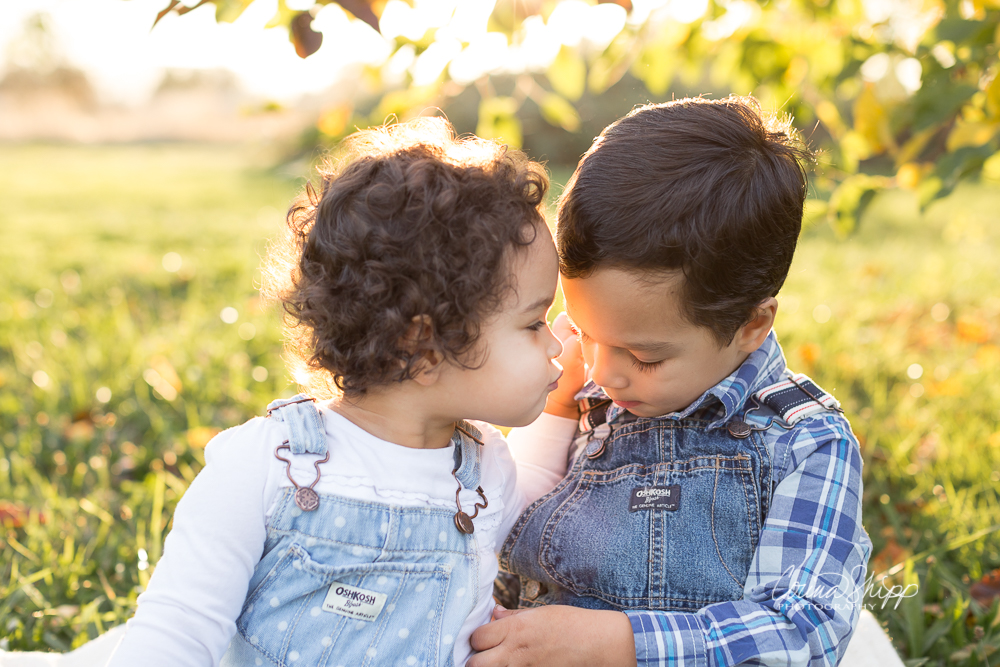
148 150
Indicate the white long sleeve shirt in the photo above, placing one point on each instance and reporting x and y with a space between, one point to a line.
187 615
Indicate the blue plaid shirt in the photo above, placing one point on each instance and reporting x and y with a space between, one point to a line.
803 595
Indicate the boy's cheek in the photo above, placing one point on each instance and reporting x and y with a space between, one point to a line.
588 356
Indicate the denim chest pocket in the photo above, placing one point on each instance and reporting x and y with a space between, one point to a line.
675 559
309 613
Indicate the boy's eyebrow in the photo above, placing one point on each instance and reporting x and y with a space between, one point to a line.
650 347
545 301
653 346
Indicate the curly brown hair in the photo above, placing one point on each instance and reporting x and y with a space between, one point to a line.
409 222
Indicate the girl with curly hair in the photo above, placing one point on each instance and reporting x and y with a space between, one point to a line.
357 524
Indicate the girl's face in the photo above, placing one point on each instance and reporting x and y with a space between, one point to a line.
517 348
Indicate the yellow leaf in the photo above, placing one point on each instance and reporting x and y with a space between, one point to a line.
200 436
971 134
602 76
333 121
498 120
993 97
796 72
166 370
869 119
828 114
568 74
915 145
283 17
655 67
909 176
991 168
227 11
557 111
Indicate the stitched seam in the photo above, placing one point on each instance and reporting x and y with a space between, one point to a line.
546 539
746 497
714 538
596 476
526 515
289 533
612 599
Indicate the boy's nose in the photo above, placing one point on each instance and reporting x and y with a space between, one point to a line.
555 346
604 372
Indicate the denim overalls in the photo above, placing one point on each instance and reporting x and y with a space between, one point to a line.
357 583
658 514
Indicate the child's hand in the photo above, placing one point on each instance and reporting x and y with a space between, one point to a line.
552 636
561 401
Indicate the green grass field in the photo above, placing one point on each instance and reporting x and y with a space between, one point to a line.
130 332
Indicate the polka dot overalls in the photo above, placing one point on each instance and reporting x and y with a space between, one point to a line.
356 583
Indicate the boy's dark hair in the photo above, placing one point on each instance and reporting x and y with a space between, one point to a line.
708 187
409 223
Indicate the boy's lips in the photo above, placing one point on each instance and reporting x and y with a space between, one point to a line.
627 404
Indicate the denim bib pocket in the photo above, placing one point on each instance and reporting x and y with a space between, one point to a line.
286 619
681 559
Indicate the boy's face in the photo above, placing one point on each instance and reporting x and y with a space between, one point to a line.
511 386
640 348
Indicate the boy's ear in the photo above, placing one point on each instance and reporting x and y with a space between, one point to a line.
753 333
418 341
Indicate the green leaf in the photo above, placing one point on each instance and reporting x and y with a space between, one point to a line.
655 67
568 74
282 17
498 120
557 111
227 11
933 105
849 200
602 75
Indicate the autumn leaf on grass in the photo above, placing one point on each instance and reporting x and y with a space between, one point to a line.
987 589
891 554
162 377
810 353
14 515
973 330
81 429
198 437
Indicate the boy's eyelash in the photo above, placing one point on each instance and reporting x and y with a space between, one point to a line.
537 326
645 366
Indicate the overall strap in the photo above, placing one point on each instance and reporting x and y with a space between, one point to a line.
796 397
304 423
468 457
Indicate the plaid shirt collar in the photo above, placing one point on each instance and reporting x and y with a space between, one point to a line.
719 404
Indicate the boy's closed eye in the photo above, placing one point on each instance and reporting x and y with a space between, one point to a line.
637 363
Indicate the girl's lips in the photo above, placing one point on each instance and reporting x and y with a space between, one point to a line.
555 384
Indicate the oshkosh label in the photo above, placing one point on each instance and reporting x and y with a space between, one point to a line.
354 602
655 498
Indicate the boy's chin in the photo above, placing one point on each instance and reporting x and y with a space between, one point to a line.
647 410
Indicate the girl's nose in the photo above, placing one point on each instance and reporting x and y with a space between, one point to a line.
555 345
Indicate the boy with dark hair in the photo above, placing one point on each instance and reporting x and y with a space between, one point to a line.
713 496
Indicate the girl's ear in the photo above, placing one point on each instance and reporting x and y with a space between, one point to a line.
752 334
418 342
